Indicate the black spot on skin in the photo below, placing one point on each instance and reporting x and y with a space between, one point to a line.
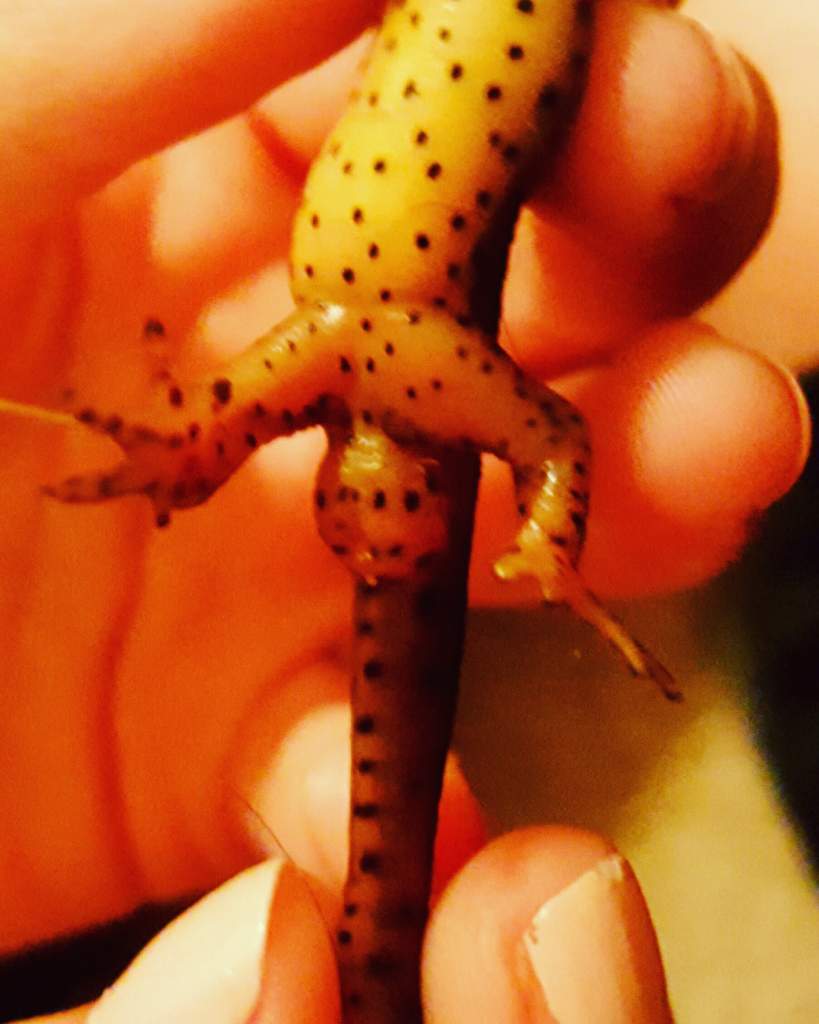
495 139
530 422
344 937
511 153
365 627
579 468
370 863
288 419
340 549
222 390
436 384
368 810
385 295
350 909
114 424
439 302
373 669
379 499
365 766
373 252
175 440
87 416
342 494
179 490
415 19
548 97
259 410
389 348
412 501
370 365
220 449
558 540
486 366
458 222
268 365
162 520
366 325
344 364
456 72
372 99
414 317
367 416
321 499
347 168
453 271
358 215
515 52
526 6
153 328
175 396
314 220
251 440
365 724
493 93
379 166
422 240
410 90
444 34
421 138
462 352
434 170
395 551
291 346
484 199
194 430
411 393
578 521
522 510
308 270
348 275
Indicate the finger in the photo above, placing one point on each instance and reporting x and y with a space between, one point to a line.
692 436
206 965
78 1016
544 925
92 86
658 201
292 771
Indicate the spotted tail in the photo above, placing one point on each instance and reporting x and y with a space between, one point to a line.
407 653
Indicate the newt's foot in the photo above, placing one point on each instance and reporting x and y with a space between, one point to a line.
561 584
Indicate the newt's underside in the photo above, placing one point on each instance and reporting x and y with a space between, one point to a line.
398 259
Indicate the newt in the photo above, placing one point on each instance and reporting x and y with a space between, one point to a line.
398 260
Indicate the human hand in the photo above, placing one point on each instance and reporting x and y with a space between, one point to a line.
136 714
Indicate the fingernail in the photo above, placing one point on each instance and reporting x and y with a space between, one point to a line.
206 965
593 952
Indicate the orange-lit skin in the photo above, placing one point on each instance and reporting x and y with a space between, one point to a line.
396 457
398 258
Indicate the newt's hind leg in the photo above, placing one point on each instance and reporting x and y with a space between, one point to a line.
183 446
441 382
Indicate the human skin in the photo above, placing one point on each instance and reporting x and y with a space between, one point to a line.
157 684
